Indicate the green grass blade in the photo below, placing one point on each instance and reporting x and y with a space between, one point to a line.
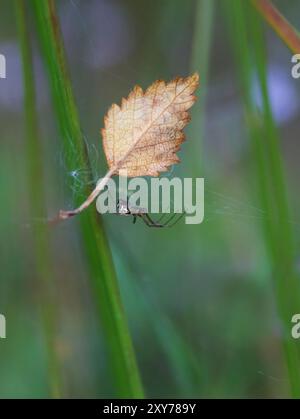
284 253
102 272
281 26
201 47
187 371
248 43
40 234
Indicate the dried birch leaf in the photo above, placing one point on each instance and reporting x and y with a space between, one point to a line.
144 134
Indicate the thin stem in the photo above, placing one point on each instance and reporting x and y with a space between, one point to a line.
64 215
278 22
282 250
201 46
250 53
41 239
102 273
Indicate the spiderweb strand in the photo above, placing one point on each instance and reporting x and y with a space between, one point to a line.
64 215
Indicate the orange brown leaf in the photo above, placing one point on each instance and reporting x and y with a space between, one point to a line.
143 135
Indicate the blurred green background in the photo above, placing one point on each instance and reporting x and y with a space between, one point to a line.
200 299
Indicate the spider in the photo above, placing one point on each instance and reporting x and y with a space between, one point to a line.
124 209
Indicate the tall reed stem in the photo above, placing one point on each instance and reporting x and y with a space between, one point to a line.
289 35
102 273
251 58
40 232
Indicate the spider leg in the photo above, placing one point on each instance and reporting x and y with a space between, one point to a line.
167 222
145 220
172 220
148 221
161 217
151 223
